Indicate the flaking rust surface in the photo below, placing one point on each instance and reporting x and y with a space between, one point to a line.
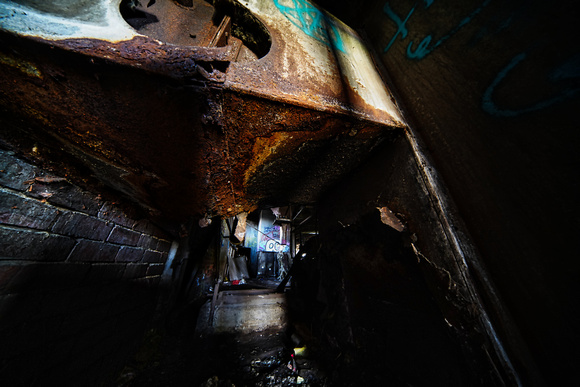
183 150
273 145
184 130
123 119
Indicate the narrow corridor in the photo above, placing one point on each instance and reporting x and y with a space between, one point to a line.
306 331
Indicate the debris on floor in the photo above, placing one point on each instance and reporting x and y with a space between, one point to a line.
231 359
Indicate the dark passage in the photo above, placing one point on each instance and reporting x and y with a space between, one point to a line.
259 193
356 305
386 330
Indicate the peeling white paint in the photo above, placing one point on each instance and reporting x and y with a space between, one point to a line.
363 77
99 19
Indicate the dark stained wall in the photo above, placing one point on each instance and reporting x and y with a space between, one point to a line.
408 301
492 88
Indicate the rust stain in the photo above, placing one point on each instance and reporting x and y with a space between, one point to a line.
149 55
263 149
270 141
22 65
163 124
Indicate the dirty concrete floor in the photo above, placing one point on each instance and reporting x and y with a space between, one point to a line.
390 339
258 359
399 349
182 357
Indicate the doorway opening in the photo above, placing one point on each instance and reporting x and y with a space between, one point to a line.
258 250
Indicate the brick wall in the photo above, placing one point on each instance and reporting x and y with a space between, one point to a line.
79 280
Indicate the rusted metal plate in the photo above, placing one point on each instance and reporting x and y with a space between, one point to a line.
275 114
315 61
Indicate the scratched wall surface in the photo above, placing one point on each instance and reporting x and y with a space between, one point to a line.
492 89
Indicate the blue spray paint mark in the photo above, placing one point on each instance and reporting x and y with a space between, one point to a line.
401 28
423 48
312 22
566 70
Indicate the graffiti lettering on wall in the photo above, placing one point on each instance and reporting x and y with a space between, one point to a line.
561 74
426 46
311 21
564 72
272 239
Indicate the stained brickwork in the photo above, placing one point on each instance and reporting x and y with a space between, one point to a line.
79 279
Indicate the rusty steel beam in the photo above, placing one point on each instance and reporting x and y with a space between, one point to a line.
193 108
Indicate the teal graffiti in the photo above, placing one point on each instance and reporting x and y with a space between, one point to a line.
564 72
424 48
311 21
401 24
567 70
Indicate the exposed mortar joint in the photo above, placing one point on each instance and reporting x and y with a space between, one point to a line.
68 257
23 262
20 228
105 242
62 211
110 232
26 197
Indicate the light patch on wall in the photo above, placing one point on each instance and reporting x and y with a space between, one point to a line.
390 219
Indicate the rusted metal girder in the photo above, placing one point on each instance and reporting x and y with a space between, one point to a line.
195 108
